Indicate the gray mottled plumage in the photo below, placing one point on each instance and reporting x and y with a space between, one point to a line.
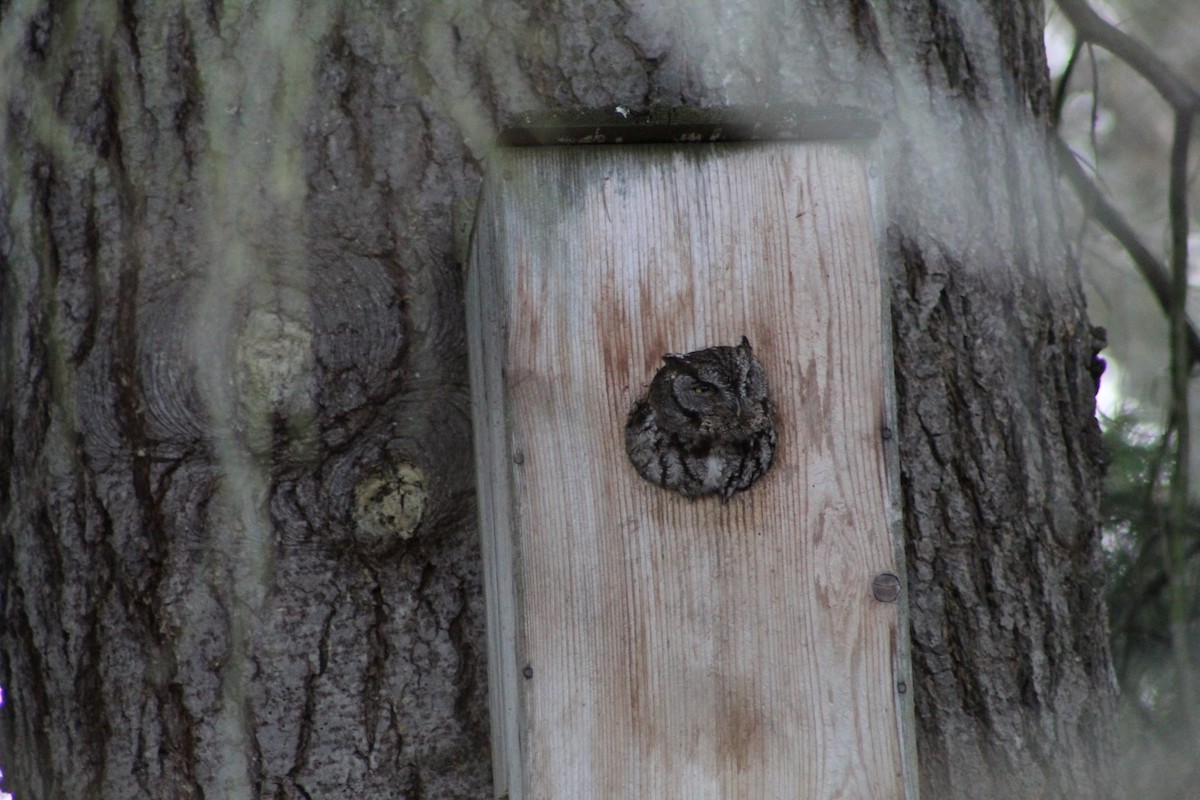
705 425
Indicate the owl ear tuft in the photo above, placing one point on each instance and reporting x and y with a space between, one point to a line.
745 345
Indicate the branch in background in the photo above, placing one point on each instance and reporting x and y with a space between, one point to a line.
1060 95
1175 552
1154 272
1177 210
1090 27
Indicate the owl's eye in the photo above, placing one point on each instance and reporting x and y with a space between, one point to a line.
702 389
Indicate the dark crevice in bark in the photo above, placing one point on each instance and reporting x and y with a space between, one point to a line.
398 368
106 134
127 16
212 13
180 754
865 25
466 703
308 713
960 618
306 722
89 688
7 454
43 186
85 339
948 48
144 570
1019 27
50 550
375 674
254 757
413 788
40 30
189 111
39 775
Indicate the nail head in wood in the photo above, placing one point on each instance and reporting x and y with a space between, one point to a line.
886 587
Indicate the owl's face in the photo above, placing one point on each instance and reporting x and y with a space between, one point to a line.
720 389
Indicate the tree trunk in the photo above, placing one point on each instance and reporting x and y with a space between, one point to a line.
239 552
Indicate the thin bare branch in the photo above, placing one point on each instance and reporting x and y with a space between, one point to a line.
1176 545
1090 27
1151 269
1060 93
1177 209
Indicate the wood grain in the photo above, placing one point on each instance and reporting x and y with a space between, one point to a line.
683 648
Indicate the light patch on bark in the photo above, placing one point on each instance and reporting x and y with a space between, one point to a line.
273 375
391 505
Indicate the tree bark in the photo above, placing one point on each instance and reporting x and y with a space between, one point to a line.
239 551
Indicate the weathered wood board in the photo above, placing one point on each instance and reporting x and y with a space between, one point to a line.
643 645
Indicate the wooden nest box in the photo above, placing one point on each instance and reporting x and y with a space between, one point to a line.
643 644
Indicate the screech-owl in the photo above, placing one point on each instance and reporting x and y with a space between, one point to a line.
705 425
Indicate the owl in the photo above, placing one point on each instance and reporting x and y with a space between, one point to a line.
705 425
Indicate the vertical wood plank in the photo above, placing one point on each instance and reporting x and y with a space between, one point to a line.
683 648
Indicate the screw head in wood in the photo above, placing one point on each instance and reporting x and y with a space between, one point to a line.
527 672
886 587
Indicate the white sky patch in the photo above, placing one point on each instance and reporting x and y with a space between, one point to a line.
1109 401
1060 38
1059 35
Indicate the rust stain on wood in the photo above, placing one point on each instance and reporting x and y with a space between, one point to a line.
684 648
